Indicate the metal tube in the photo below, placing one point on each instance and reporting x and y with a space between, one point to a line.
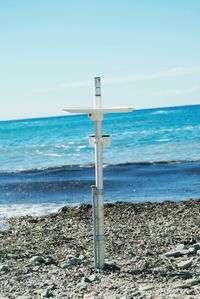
97 99
98 199
94 200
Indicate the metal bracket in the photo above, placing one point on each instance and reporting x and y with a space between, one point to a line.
96 116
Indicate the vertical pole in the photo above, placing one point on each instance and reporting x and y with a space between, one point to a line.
98 198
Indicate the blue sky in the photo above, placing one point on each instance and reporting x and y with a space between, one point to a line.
147 53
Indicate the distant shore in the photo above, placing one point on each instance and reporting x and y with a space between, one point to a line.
152 251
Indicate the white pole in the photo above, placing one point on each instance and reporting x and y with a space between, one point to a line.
99 242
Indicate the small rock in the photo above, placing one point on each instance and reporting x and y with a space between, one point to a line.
4 268
50 260
184 252
185 264
192 250
130 253
187 284
146 288
89 296
181 285
85 279
93 277
175 253
37 259
111 266
82 286
181 247
198 252
133 295
82 257
70 262
46 294
196 246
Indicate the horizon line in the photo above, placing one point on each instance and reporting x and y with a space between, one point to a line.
80 114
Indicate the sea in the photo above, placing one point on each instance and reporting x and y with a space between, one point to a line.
46 163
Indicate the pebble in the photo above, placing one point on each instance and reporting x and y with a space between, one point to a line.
46 294
146 288
181 247
187 284
82 286
37 259
89 296
67 238
196 246
184 252
111 266
198 252
85 279
175 253
4 268
93 277
192 250
70 262
185 264
50 260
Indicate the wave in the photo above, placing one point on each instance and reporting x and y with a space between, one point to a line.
160 112
75 167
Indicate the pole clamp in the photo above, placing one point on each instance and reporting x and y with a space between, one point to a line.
98 116
100 238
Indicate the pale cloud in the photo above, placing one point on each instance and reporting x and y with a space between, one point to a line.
173 72
191 90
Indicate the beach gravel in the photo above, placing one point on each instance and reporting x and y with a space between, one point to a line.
152 251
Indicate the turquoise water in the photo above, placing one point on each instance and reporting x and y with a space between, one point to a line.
47 163
143 135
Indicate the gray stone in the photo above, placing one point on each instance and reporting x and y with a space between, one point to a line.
175 253
196 246
93 277
46 294
4 268
198 252
82 286
89 296
184 252
50 260
192 249
187 283
185 264
37 259
180 247
146 288
82 257
70 262
85 279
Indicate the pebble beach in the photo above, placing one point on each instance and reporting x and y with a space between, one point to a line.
152 251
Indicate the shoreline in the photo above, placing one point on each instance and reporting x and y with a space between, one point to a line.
151 250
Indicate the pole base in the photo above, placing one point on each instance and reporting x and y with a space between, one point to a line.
98 228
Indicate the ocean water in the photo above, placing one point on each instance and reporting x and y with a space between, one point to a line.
46 163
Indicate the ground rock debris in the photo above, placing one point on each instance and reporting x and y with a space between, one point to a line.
152 251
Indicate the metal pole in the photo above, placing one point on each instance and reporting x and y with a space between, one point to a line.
98 198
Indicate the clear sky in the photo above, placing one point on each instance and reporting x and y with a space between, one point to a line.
146 51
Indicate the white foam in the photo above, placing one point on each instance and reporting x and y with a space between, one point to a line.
160 112
16 210
3 224
62 146
163 139
52 155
